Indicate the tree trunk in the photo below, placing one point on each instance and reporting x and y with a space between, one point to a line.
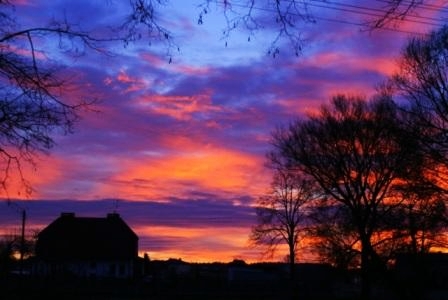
365 276
365 268
292 262
293 293
413 233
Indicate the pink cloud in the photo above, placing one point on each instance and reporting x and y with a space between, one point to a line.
179 107
132 83
350 63
176 67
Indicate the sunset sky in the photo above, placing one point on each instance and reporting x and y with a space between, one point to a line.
178 149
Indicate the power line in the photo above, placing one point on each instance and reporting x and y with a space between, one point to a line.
378 12
370 14
360 12
383 10
364 25
422 5
374 12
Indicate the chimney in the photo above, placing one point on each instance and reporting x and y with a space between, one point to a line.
67 215
113 216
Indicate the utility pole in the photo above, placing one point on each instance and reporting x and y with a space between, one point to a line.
22 242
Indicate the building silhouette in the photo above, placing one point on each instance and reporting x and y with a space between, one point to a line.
87 247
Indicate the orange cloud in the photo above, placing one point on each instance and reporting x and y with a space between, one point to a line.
196 169
179 107
181 168
200 244
46 171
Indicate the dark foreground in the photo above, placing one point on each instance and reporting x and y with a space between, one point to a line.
174 279
16 288
27 288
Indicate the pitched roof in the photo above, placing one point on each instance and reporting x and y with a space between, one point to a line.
71 237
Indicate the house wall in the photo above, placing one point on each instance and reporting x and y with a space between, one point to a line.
118 269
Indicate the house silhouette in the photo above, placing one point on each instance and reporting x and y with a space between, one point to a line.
87 247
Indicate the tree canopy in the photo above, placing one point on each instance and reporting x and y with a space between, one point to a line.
281 214
359 154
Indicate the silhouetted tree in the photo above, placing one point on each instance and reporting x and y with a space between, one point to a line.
281 213
419 223
356 151
335 236
8 246
422 82
34 94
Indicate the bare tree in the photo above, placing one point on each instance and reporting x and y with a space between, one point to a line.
395 12
8 246
419 223
281 17
34 95
281 214
288 20
356 151
422 81
335 236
